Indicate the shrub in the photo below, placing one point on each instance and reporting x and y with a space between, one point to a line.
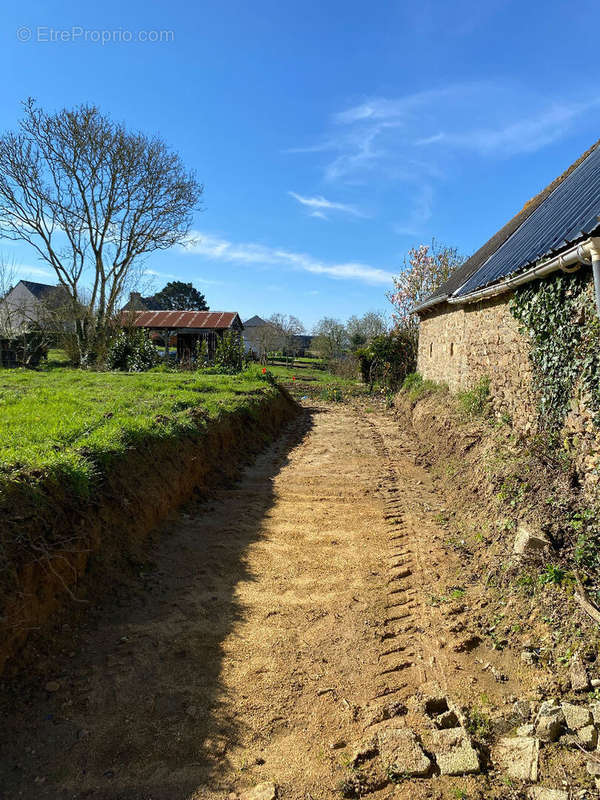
474 403
229 355
202 354
416 387
26 349
132 351
387 359
70 344
346 367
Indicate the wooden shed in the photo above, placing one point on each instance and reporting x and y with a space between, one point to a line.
189 327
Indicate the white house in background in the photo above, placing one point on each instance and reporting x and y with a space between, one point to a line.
29 302
261 336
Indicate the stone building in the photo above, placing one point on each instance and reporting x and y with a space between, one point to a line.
466 327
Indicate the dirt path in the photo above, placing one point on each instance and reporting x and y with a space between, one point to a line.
270 627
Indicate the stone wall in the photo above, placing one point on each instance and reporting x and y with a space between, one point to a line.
460 344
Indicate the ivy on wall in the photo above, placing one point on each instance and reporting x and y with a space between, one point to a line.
559 316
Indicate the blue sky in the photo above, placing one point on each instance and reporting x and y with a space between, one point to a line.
330 136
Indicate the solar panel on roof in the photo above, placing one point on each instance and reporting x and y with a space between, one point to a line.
567 215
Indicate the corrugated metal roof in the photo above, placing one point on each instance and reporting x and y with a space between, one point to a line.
215 320
567 215
472 265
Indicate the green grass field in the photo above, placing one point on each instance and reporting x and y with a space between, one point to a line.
318 384
287 374
68 423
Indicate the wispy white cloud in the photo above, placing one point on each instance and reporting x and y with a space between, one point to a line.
198 279
210 282
319 205
156 274
27 271
400 109
521 136
391 135
436 137
215 248
428 20
414 141
420 213
504 121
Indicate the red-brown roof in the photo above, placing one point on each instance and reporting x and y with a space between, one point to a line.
215 320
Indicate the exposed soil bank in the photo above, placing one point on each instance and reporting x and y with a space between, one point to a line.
258 640
496 483
326 598
111 527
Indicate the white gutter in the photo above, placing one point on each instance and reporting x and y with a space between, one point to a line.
587 252
428 303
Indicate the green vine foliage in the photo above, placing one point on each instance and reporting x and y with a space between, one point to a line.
559 316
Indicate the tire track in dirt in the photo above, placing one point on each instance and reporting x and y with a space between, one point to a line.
410 660
275 617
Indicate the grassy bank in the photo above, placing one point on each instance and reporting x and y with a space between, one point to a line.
68 424
91 463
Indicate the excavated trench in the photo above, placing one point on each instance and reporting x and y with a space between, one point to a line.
71 549
271 633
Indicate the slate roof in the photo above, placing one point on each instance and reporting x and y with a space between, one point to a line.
255 322
565 211
213 320
39 289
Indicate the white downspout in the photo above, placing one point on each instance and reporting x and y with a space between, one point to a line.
594 251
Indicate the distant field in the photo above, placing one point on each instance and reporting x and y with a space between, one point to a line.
69 423
318 384
286 374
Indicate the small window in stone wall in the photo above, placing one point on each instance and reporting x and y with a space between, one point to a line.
430 349
451 348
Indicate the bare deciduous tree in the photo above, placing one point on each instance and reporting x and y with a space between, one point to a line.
93 199
288 326
265 339
331 337
8 278
362 329
28 324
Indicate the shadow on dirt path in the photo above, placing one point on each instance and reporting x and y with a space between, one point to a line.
135 714
276 626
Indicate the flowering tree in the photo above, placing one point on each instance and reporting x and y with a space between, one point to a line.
425 268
